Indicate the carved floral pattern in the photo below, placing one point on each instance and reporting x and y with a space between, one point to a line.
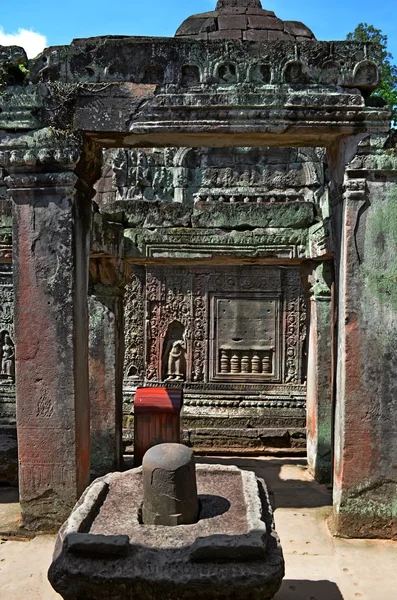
295 326
200 321
134 319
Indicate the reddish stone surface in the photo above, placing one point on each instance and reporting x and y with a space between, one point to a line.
106 347
320 380
51 258
365 481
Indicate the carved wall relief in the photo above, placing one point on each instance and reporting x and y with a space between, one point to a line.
200 327
174 353
6 298
7 356
246 336
295 330
168 303
217 327
216 174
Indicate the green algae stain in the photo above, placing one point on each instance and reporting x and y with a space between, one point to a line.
381 250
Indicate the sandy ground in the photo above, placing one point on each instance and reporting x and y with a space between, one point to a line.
318 566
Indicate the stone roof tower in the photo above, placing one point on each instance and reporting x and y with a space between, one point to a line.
242 20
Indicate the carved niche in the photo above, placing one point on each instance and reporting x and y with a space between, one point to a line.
224 328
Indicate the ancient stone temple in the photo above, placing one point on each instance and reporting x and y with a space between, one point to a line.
213 212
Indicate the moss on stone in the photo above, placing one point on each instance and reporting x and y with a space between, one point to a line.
381 249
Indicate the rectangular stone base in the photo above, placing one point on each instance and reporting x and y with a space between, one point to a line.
104 551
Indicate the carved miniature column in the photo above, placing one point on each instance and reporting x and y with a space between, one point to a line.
106 353
365 475
51 224
319 417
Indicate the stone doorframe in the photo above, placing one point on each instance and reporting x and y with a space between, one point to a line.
90 96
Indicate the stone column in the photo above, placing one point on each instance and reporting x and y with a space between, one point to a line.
106 352
365 472
51 224
320 374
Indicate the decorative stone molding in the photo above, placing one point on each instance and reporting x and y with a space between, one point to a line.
320 240
375 153
45 149
46 159
189 243
109 60
355 189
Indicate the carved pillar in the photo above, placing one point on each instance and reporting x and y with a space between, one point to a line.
319 416
365 474
51 223
106 354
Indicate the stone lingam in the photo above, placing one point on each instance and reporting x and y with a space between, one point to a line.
170 530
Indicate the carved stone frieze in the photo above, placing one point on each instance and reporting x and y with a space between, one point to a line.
338 63
229 175
7 351
200 328
6 299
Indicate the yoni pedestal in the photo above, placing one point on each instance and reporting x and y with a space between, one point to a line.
105 551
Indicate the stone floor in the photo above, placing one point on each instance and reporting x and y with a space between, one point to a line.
318 566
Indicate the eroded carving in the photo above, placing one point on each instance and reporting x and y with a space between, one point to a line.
7 356
174 356
233 175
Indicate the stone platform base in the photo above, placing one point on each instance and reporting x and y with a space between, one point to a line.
104 551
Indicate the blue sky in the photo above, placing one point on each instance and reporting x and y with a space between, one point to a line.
60 22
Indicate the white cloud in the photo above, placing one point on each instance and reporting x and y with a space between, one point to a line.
32 42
